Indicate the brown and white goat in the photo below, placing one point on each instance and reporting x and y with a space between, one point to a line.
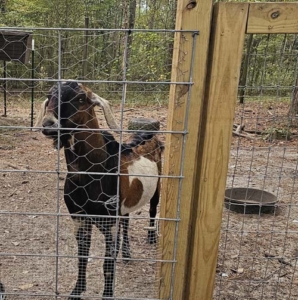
92 186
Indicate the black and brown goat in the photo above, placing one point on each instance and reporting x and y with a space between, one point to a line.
92 186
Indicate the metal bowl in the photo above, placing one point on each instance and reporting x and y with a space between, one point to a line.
250 201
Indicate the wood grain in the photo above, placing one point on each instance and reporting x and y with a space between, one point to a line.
189 17
273 18
228 33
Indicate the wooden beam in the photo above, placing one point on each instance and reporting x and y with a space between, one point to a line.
191 15
228 34
273 18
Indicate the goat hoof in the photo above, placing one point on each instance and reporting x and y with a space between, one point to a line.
76 293
126 254
107 296
74 297
127 261
152 239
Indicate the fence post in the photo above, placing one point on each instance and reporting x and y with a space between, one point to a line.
191 15
4 89
227 40
32 83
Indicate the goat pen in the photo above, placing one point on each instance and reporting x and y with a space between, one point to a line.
194 99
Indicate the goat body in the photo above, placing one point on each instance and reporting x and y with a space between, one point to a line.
92 186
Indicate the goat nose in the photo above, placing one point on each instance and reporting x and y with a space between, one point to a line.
50 127
48 123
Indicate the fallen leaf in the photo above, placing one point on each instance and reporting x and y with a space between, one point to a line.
26 286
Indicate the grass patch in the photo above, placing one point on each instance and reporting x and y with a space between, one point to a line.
275 133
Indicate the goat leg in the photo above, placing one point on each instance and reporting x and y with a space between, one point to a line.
83 237
125 242
109 263
152 234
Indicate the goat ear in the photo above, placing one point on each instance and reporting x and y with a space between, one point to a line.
105 105
41 113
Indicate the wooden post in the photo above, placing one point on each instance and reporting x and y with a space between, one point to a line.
272 18
191 15
227 41
207 147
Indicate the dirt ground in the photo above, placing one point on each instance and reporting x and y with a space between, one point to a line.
258 252
29 240
257 258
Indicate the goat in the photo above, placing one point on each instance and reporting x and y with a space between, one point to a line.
91 185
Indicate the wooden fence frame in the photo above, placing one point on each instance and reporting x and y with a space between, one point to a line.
217 60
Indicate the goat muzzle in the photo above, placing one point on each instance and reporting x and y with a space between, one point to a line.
50 128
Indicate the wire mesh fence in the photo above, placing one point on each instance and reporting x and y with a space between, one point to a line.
54 202
39 251
258 248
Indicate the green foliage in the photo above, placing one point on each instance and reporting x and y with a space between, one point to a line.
274 133
150 52
99 55
94 55
22 13
272 64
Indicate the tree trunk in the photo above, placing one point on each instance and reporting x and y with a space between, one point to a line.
152 14
243 78
171 42
85 50
129 13
131 24
294 105
2 6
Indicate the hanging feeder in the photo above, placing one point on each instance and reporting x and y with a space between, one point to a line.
15 45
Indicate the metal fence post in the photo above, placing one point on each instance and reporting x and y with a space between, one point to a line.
4 90
32 82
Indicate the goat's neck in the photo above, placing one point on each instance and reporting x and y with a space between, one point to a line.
86 150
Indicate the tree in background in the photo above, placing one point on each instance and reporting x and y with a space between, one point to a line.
269 64
96 54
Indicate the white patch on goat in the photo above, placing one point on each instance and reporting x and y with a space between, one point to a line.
72 142
50 117
143 166
40 115
114 232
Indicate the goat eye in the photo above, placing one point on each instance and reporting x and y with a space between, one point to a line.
81 100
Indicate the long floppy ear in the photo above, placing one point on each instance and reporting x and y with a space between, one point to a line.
40 115
105 105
